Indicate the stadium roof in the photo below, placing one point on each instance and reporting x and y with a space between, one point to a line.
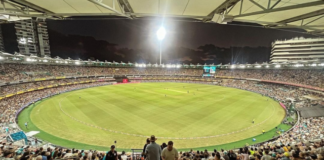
304 14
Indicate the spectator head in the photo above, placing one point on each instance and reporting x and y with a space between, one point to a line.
112 148
148 141
313 156
164 145
39 158
43 153
59 154
152 139
7 154
266 152
218 156
170 145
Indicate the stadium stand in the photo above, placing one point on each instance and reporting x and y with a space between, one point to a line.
23 84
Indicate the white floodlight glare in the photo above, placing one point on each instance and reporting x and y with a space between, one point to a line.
30 60
314 65
161 33
322 64
277 66
232 66
299 65
258 66
1 57
267 66
77 63
45 60
242 66
65 62
178 66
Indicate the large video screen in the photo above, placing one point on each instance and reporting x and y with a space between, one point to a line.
209 69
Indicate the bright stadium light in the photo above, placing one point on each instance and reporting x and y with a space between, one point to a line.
258 66
30 60
267 66
161 35
277 66
314 65
1 57
299 65
77 63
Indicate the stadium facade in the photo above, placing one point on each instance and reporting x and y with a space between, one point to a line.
298 50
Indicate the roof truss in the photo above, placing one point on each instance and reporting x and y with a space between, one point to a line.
229 4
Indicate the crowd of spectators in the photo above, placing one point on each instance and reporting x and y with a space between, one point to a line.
267 151
15 72
14 88
314 77
264 152
309 129
10 152
19 72
277 91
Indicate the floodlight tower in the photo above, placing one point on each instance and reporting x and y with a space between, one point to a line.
161 35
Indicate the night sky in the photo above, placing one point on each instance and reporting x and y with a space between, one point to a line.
185 42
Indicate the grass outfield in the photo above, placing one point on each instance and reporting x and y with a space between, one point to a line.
206 116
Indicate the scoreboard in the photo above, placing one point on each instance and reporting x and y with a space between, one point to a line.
209 71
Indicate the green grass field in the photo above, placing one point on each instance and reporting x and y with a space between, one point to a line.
206 117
